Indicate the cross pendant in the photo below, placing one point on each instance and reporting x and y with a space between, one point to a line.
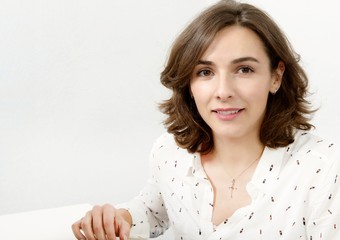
232 188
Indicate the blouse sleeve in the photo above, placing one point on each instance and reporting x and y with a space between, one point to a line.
325 212
149 215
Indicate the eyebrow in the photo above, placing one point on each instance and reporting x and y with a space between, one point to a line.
235 61
204 62
244 59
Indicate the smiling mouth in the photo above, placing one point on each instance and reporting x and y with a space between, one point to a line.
227 112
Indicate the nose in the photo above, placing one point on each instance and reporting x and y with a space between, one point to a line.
224 88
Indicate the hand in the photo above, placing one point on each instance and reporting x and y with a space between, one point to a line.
103 223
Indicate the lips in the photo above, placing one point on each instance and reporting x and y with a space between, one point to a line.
227 114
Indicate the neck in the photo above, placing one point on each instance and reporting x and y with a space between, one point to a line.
236 153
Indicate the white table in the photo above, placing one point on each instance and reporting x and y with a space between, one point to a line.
47 224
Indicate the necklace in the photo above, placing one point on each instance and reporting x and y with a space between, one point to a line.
232 188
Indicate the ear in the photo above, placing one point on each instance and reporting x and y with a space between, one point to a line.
277 77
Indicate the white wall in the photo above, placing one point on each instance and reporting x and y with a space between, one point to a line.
79 87
312 28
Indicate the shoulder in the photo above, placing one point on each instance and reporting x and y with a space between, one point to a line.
165 152
312 148
307 142
165 145
166 139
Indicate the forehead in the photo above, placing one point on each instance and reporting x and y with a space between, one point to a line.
235 42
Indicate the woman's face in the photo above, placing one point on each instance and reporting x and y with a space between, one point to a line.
231 83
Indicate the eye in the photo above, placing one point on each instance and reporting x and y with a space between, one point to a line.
204 73
245 70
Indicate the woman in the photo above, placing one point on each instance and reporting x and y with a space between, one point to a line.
238 161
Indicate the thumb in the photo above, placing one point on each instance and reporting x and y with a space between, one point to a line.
124 230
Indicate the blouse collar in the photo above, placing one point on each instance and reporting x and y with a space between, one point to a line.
267 171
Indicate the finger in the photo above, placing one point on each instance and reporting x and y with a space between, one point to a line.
108 221
124 230
97 223
76 227
86 226
122 227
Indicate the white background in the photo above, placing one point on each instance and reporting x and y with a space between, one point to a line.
79 88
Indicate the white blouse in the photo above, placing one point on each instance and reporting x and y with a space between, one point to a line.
295 194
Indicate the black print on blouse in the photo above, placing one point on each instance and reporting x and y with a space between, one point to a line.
251 215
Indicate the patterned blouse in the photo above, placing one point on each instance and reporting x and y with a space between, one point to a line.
295 194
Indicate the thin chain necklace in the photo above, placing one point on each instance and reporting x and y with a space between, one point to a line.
232 188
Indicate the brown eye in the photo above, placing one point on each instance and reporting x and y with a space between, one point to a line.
245 70
204 73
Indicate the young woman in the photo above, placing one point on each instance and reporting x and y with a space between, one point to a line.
238 161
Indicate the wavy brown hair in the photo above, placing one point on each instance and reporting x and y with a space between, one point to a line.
286 111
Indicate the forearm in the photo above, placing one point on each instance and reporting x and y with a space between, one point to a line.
147 216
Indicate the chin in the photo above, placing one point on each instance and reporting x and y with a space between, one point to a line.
230 134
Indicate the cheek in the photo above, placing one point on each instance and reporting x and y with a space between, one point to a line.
261 98
200 104
256 94
260 87
201 99
200 92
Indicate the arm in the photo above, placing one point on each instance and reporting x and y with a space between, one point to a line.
148 211
143 217
325 212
